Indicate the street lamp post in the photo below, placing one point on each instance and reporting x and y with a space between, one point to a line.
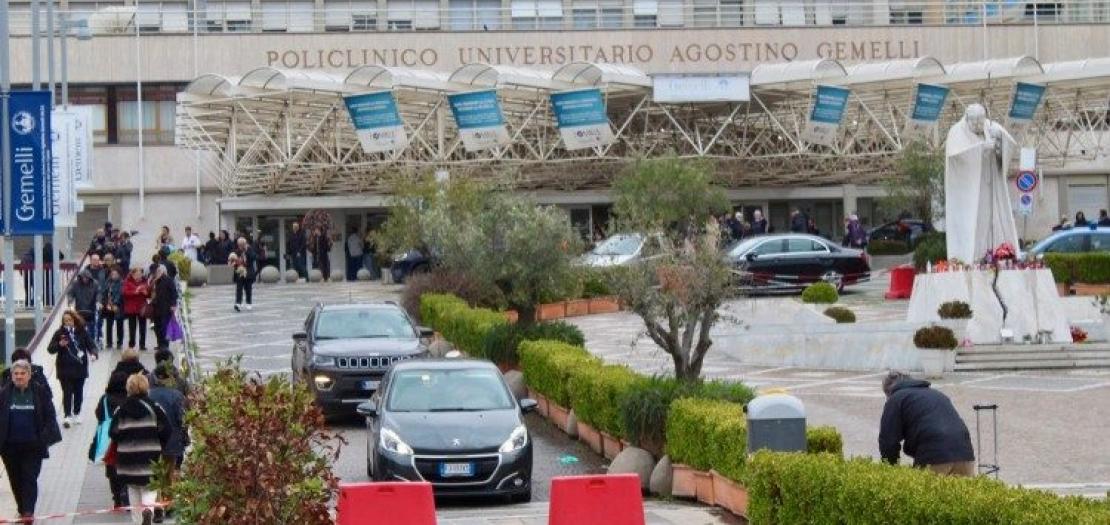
5 155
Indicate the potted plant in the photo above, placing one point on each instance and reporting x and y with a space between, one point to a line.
557 414
683 482
729 494
936 345
610 446
577 307
955 315
549 311
590 436
703 485
604 305
541 402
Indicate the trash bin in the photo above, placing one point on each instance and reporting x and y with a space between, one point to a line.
901 282
776 422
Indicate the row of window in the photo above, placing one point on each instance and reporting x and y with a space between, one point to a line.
116 112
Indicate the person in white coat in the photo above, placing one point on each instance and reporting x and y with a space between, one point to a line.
190 244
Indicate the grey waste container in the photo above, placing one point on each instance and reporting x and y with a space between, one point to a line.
776 422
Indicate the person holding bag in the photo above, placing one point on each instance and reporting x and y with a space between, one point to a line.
140 430
164 302
136 292
100 450
73 346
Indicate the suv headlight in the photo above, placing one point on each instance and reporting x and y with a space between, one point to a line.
392 442
323 360
400 256
517 440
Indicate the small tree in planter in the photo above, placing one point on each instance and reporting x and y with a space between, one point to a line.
937 345
820 293
841 314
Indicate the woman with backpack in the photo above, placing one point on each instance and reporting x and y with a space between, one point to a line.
140 431
112 398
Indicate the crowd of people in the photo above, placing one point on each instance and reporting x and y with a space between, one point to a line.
141 411
1081 221
736 226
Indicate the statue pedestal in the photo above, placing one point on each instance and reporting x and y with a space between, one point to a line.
1032 301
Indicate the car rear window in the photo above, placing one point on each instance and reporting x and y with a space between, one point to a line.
363 323
437 390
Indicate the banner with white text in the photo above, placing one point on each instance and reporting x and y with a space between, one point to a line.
32 208
928 104
377 122
581 117
479 118
829 105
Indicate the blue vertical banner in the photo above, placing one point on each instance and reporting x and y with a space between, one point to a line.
928 104
479 118
582 120
1027 97
829 105
32 207
377 121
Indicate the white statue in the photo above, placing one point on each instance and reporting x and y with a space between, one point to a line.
978 215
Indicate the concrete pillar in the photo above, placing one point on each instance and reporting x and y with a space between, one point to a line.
383 15
851 197
506 14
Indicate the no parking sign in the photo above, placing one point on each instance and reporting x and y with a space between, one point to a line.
1025 204
1026 181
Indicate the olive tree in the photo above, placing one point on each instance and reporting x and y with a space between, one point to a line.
919 180
676 295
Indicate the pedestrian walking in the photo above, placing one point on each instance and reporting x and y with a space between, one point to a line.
136 294
855 235
112 309
106 406
922 422
353 250
96 246
129 364
163 304
1103 219
190 244
799 222
321 246
38 376
164 358
164 393
123 251
163 240
295 247
28 428
84 296
140 430
1080 220
370 256
243 274
74 348
759 224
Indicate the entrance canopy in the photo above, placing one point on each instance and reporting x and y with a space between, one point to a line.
287 132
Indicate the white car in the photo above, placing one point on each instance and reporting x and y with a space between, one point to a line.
623 249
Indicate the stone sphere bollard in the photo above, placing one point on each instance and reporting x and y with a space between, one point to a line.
363 274
270 275
198 274
315 276
337 277
291 276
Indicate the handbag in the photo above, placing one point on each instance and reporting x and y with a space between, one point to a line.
103 440
173 330
147 312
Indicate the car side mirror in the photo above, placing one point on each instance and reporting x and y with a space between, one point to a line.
528 405
300 336
426 332
750 256
1040 256
367 409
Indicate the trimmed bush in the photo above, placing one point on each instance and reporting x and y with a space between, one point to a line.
1090 267
183 263
720 390
645 408
596 394
501 344
931 247
434 306
884 247
465 327
954 310
820 293
707 434
785 489
841 314
594 284
549 365
445 282
824 439
935 337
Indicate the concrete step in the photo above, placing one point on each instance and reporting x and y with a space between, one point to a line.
1033 349
1035 364
1058 355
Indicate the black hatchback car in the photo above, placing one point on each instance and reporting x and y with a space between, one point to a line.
453 423
792 261
345 349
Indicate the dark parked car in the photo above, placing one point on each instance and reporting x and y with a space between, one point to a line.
908 231
1074 240
344 350
408 263
453 423
792 261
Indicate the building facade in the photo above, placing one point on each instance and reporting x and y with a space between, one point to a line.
144 187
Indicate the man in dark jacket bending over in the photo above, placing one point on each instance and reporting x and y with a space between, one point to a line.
922 422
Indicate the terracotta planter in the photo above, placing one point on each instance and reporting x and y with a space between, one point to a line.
610 446
505 367
512 316
683 482
604 305
541 403
1091 289
703 485
590 436
1064 289
578 307
730 494
550 311
557 415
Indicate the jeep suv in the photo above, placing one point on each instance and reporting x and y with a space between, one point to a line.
345 349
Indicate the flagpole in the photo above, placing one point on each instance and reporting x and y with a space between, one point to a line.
5 167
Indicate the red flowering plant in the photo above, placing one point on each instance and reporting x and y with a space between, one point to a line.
1004 251
1078 335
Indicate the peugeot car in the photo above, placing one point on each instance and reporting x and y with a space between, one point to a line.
453 423
345 349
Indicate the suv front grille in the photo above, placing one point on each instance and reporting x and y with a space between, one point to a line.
368 362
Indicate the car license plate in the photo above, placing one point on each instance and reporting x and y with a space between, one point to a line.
369 385
447 470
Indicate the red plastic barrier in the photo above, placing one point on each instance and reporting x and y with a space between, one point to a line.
901 282
410 503
588 500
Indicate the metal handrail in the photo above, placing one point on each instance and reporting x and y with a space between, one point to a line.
183 316
59 305
363 16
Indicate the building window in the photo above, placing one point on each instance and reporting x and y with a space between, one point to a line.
360 15
1044 11
403 15
905 17
159 106
645 13
228 16
705 13
468 15
97 99
537 14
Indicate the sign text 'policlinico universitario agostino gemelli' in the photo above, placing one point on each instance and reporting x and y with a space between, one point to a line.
377 122
28 169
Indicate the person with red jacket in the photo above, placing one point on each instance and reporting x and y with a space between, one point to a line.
136 293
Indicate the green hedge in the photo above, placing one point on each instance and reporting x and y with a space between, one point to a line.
707 434
596 393
1092 267
549 365
786 489
464 326
824 439
931 247
502 343
884 247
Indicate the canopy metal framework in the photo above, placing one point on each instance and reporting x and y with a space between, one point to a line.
284 132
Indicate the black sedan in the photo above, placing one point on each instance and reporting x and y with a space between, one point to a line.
345 349
907 231
792 261
453 423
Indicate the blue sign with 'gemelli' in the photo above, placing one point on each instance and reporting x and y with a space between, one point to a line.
476 109
928 102
32 207
1027 97
829 104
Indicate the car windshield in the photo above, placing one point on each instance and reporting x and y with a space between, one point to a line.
619 245
738 248
364 323
465 390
